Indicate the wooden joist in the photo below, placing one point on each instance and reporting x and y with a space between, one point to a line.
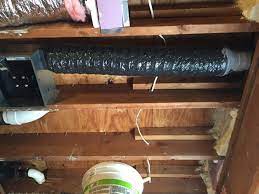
176 133
142 83
240 172
169 171
136 163
99 146
85 97
139 27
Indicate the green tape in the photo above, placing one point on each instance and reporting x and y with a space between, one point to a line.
108 182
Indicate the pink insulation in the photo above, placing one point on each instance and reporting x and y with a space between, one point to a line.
76 10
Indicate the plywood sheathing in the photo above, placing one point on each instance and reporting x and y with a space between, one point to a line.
112 120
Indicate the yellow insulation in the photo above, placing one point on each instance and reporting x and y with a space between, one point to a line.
224 121
250 9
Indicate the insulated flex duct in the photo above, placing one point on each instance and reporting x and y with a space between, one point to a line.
19 12
147 61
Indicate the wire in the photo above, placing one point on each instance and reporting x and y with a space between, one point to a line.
154 84
151 9
148 178
142 137
163 38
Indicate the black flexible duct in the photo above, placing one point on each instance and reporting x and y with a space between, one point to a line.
142 61
10 170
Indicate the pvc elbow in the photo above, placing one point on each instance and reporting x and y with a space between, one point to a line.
38 176
22 117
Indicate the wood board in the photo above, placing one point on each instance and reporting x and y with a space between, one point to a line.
112 120
99 146
176 134
139 27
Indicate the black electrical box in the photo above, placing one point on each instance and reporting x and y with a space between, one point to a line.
25 83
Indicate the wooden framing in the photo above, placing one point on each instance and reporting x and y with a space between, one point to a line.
168 140
240 172
80 97
112 120
206 83
98 146
139 27
187 133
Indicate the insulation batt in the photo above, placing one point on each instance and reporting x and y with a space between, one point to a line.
20 12
250 9
139 61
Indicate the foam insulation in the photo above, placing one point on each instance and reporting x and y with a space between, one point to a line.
250 9
224 121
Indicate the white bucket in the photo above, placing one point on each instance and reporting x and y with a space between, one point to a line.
112 178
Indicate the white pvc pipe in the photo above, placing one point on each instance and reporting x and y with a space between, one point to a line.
22 117
38 176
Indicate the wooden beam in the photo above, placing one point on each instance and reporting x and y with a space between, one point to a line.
69 181
176 133
142 83
241 165
99 146
169 171
244 165
136 163
82 97
139 27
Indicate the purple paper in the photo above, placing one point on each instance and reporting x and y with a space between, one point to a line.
110 14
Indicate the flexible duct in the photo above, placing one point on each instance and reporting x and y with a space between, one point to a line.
147 61
19 12
21 117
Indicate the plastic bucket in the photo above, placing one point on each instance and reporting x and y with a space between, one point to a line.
112 178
